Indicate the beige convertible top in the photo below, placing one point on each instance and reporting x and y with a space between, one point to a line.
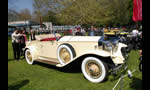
40 37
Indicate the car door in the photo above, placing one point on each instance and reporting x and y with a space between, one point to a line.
49 49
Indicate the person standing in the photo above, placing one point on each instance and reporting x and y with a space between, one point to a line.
22 40
135 35
70 31
32 35
78 33
83 31
15 44
73 31
95 32
135 32
92 32
23 32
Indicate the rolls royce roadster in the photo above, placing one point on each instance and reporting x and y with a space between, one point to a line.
98 54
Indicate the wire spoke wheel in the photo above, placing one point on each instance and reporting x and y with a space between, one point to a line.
93 69
28 56
65 55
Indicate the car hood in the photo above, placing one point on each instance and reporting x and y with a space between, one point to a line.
80 38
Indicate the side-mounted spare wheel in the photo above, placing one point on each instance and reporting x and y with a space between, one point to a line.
65 53
94 69
28 56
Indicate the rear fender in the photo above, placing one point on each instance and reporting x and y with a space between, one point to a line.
33 51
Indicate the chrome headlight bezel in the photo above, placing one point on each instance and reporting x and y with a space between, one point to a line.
115 46
108 46
111 46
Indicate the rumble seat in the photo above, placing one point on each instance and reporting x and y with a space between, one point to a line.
47 37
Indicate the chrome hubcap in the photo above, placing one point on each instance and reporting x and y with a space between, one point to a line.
93 69
65 55
29 56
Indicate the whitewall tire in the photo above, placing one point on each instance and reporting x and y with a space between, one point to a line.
94 69
65 53
28 56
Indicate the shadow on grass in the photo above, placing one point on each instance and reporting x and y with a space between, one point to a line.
136 84
70 68
18 85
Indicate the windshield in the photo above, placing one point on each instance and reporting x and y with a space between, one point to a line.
44 35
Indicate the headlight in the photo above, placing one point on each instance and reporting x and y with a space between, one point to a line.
107 46
115 45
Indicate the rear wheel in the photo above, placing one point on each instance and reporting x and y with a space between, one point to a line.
28 56
94 69
65 53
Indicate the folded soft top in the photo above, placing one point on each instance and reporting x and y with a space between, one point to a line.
41 37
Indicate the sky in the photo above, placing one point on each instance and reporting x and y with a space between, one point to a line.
20 4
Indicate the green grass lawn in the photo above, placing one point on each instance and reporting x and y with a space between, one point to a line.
22 76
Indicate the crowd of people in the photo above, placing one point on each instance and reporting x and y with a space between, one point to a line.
19 39
134 40
79 31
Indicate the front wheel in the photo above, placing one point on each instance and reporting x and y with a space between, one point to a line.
94 69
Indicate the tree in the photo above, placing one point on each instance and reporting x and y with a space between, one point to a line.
120 11
13 15
86 12
11 4
47 9
97 12
25 14
39 9
130 9
50 17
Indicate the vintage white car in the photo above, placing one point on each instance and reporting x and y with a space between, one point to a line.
99 54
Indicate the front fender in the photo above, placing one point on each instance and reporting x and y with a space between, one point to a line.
101 53
117 56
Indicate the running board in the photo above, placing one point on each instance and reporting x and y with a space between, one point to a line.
52 61
46 60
